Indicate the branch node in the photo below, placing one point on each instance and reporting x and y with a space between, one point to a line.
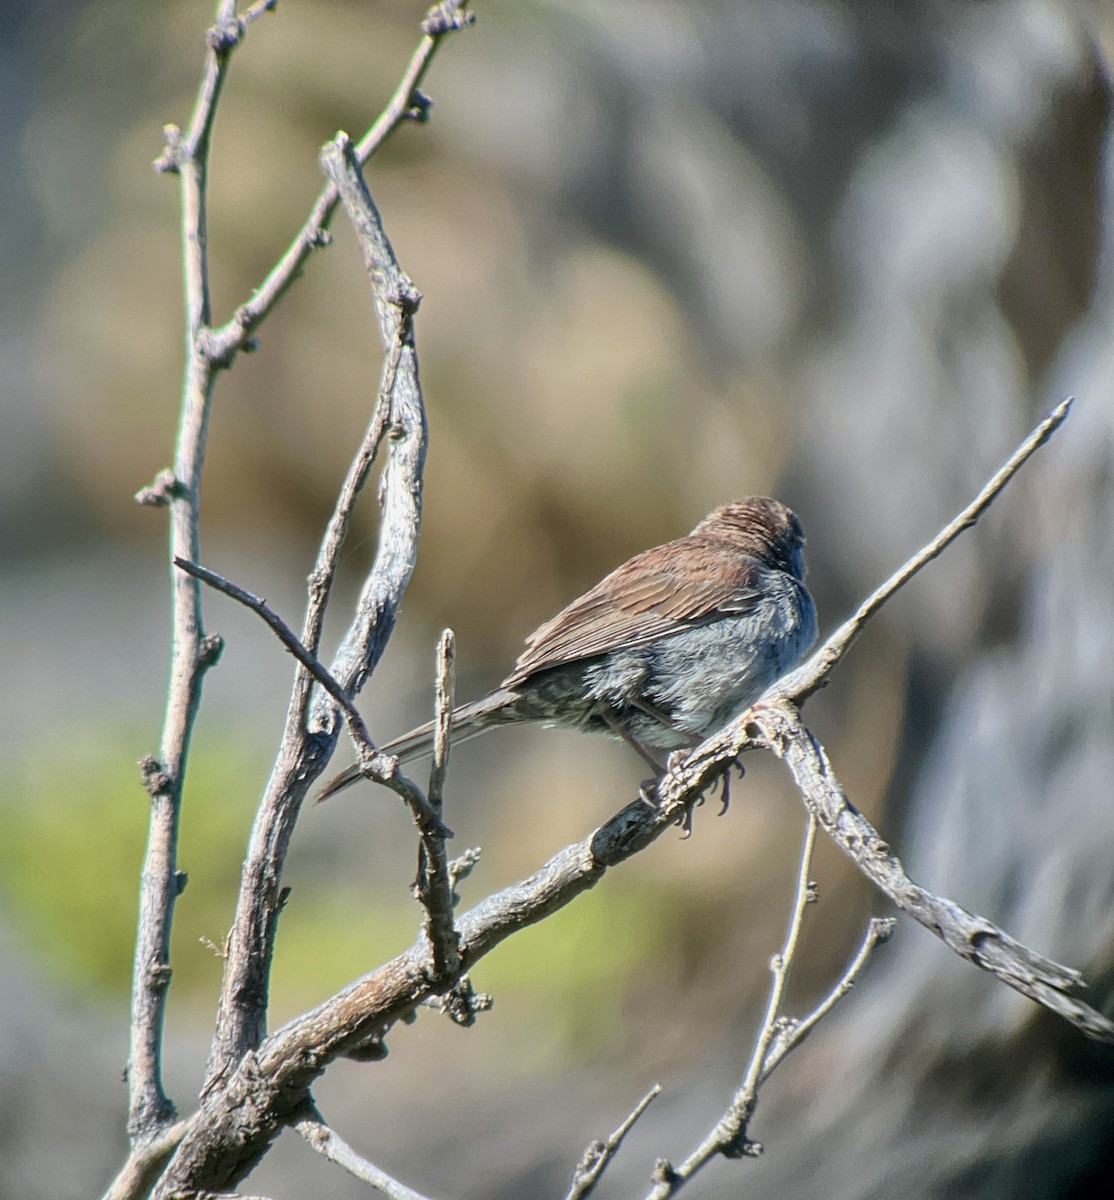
447 17
209 650
418 108
170 160
743 1148
156 779
460 868
882 929
163 489
224 37
664 1173
158 975
462 1004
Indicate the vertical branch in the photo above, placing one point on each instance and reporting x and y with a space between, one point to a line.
192 652
434 884
311 733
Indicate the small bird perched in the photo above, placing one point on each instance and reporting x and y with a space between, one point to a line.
663 651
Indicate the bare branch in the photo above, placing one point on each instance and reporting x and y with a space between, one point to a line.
407 103
284 634
193 652
598 1155
138 1174
328 1142
791 1033
396 301
267 1088
778 1036
378 767
729 1135
445 700
276 1080
972 937
310 734
434 884
798 685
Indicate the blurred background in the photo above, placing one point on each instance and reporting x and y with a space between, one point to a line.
846 253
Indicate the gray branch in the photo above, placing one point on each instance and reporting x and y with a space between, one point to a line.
407 103
310 736
972 937
798 685
186 154
434 884
597 1157
326 1141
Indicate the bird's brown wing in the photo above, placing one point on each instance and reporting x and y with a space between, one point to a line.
655 594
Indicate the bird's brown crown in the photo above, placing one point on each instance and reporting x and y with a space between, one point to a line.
759 526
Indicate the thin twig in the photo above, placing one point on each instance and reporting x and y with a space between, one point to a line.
336 531
445 699
138 1174
729 1135
285 635
791 1033
378 767
434 884
326 1141
257 10
598 1155
407 103
311 729
799 684
193 652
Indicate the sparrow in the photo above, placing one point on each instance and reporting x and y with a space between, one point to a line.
665 650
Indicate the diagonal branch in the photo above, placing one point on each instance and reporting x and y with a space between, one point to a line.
326 1141
407 103
597 1157
267 1089
777 1037
285 635
971 937
879 930
798 685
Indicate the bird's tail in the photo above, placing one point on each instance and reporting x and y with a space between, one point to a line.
469 720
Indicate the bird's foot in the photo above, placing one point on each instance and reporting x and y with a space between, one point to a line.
673 766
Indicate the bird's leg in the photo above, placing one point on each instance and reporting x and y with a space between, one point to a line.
663 718
693 740
608 717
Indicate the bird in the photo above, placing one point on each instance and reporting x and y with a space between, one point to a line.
663 651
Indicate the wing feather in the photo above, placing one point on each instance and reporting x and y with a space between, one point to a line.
655 594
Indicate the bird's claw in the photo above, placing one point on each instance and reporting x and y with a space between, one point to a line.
725 786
